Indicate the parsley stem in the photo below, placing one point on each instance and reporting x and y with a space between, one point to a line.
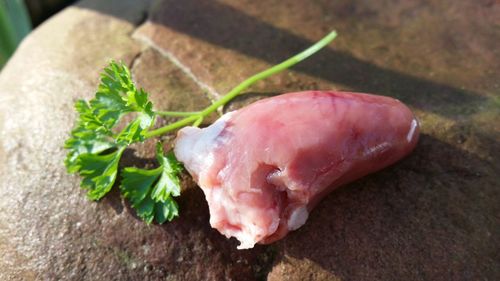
270 71
177 113
244 85
170 127
198 121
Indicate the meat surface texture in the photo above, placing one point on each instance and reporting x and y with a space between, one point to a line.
264 167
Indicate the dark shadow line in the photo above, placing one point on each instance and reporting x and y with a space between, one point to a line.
228 27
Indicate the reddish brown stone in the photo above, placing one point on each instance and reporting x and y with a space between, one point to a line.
433 216
48 229
428 217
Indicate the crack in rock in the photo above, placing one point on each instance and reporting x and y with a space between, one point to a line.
212 94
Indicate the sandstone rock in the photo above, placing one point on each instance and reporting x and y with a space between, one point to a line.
48 229
433 216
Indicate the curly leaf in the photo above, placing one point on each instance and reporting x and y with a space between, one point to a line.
99 172
151 192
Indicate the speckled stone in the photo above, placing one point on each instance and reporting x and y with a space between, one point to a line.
48 229
433 216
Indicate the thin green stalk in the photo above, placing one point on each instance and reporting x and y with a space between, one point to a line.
170 127
271 71
198 121
177 113
244 85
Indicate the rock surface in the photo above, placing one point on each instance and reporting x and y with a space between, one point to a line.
433 216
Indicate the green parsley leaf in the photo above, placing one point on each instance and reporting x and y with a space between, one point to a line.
169 184
99 172
89 136
167 210
95 147
134 132
151 192
93 133
116 96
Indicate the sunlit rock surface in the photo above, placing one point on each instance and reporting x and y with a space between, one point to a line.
432 216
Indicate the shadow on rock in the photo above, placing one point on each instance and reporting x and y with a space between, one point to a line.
432 216
196 19
129 158
214 22
428 217
186 242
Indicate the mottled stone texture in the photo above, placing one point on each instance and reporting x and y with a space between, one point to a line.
433 216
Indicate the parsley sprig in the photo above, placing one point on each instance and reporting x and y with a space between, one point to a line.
151 191
96 145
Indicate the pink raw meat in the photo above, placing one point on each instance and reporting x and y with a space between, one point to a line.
264 167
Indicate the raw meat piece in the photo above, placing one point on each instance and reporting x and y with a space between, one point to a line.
264 167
